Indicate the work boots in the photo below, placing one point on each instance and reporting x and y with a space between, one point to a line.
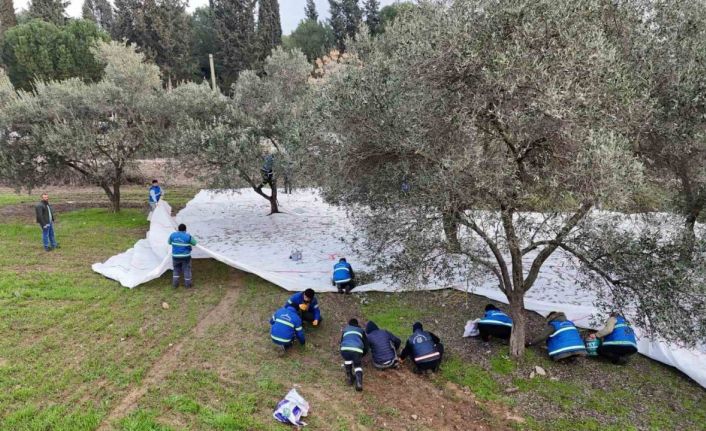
358 379
349 373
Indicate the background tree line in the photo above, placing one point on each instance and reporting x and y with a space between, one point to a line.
178 42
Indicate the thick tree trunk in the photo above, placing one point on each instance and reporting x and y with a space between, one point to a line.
274 206
517 313
116 197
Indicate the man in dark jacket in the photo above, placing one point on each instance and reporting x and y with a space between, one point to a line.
425 348
354 345
45 218
383 346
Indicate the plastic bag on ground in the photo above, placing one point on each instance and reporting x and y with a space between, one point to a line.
471 329
292 409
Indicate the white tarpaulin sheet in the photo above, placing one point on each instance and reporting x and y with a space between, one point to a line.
234 228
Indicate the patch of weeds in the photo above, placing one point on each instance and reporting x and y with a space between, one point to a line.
366 420
183 404
390 314
583 424
478 380
501 363
141 420
55 418
562 394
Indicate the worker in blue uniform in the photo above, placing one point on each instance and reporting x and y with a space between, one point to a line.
181 242
425 348
354 345
286 326
618 340
307 306
495 323
343 276
563 339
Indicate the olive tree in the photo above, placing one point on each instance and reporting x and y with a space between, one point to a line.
510 116
93 129
227 138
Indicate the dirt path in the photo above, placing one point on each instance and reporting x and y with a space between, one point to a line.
170 360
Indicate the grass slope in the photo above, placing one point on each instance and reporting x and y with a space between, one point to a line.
73 345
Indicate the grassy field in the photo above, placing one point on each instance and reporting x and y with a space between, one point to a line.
78 352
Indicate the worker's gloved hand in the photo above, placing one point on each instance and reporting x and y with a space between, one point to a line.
46 227
315 323
303 307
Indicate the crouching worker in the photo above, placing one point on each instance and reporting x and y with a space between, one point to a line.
343 276
563 338
383 346
494 323
306 305
425 348
181 243
354 345
286 325
618 341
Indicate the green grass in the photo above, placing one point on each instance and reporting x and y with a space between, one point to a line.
72 344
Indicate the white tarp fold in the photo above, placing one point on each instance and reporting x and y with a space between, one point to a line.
234 228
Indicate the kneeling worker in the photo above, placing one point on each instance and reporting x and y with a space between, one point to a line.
618 339
425 348
562 337
343 276
383 346
306 305
354 345
495 323
286 325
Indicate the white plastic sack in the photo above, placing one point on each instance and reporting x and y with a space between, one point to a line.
292 409
471 329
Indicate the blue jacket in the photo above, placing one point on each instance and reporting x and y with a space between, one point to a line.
566 338
181 243
353 339
298 298
155 194
286 324
622 334
383 344
342 272
496 317
423 347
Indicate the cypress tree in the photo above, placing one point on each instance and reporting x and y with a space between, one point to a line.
100 12
338 23
269 28
353 15
235 33
53 11
372 15
7 15
310 11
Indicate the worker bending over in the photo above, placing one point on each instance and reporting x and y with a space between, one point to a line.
354 345
494 323
307 306
343 277
618 340
563 338
286 325
383 346
425 348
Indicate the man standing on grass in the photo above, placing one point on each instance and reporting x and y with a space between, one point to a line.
155 194
181 243
45 218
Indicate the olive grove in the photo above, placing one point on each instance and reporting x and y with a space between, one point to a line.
478 137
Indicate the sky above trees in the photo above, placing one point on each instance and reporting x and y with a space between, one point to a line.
291 11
